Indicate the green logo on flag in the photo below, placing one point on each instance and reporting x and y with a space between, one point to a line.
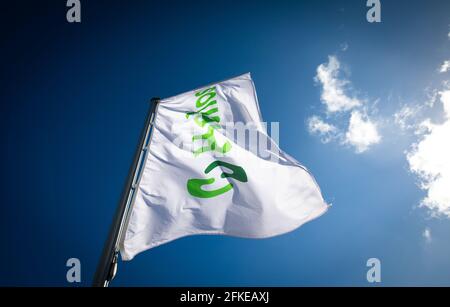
210 119
194 186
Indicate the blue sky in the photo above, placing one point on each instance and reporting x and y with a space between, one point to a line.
74 98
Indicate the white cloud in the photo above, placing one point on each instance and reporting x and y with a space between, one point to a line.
445 67
445 99
333 88
430 160
405 117
362 132
342 104
318 127
427 234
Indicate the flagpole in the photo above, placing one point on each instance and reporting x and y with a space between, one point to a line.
107 265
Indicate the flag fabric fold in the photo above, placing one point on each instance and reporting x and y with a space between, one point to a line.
200 178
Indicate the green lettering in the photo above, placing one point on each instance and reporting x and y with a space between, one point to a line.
194 186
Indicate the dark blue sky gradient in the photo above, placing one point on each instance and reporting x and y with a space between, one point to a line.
74 98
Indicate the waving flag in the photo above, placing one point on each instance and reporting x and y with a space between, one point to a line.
200 177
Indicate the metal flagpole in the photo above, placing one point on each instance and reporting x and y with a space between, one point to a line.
107 266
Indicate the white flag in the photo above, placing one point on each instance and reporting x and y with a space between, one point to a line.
201 177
